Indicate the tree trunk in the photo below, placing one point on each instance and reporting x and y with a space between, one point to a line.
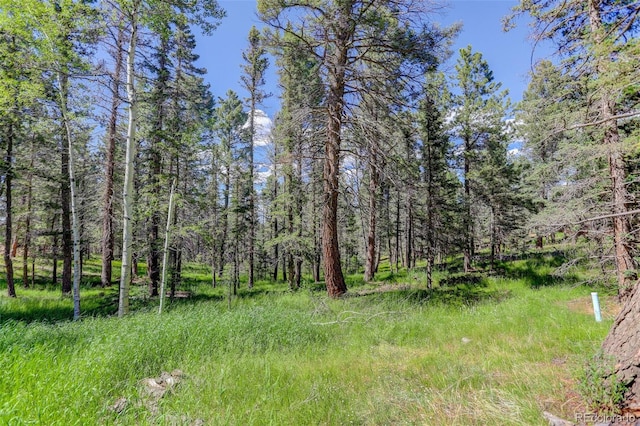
165 251
65 200
333 276
108 232
155 168
317 238
370 265
623 346
275 231
625 264
408 238
54 251
397 233
252 209
623 341
224 220
27 222
70 177
467 221
8 262
130 155
387 198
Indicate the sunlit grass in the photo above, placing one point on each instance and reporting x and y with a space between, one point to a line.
498 350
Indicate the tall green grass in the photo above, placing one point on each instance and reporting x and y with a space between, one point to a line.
499 350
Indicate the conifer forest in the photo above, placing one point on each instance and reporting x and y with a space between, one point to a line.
397 197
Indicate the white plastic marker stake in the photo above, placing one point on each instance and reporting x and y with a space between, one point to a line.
596 306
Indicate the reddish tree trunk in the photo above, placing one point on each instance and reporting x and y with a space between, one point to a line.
334 278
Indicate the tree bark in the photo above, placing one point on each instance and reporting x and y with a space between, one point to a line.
65 200
397 233
370 265
334 279
8 180
224 220
27 222
130 155
467 221
275 231
252 209
108 232
625 264
70 178
54 251
623 345
408 238
623 341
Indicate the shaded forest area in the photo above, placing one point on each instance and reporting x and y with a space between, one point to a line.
377 155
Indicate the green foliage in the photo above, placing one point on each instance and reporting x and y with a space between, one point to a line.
394 354
600 387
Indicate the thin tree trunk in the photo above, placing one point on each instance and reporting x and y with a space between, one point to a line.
130 155
408 238
397 233
275 232
252 210
108 231
387 198
225 221
290 254
27 222
370 265
317 240
67 235
165 256
54 251
493 239
72 196
467 221
8 180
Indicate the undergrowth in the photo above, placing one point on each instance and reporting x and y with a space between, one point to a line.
499 349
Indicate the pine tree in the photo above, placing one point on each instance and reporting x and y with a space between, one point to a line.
344 36
255 67
228 121
438 184
478 113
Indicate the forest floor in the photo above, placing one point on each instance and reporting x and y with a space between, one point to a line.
499 348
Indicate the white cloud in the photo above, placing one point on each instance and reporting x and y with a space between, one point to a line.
263 128
514 152
262 173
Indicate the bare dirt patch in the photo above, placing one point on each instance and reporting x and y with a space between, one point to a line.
609 306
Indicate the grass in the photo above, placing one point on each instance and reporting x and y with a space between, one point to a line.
495 350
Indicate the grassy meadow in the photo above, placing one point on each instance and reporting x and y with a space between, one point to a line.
475 350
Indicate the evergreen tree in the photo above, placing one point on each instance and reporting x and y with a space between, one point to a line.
344 36
254 69
438 184
229 118
478 111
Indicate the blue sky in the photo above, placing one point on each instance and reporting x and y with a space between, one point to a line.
509 55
